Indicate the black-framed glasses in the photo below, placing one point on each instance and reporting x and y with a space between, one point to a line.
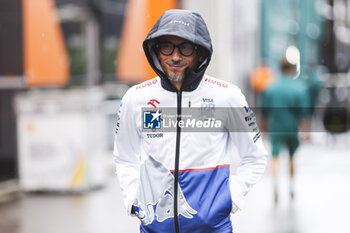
167 48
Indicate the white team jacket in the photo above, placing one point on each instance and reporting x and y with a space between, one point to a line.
187 173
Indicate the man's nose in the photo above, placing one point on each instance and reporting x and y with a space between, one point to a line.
176 55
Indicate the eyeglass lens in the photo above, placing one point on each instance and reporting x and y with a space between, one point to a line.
167 48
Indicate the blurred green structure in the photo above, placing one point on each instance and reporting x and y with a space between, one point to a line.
291 22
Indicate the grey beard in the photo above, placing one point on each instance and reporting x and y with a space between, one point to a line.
176 78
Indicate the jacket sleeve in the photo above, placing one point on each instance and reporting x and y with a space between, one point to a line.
253 156
126 150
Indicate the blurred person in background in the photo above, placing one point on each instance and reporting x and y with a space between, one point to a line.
285 108
180 181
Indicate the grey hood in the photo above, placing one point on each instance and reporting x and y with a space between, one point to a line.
188 25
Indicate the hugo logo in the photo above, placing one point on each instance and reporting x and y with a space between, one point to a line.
220 84
145 84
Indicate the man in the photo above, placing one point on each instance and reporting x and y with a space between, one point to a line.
285 107
180 181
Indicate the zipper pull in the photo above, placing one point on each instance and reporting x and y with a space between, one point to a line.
189 103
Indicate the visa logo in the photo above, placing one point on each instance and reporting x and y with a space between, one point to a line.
208 100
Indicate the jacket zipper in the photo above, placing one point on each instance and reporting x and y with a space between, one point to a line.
177 157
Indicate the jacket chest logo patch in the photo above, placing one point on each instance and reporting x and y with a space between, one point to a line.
207 105
208 100
153 102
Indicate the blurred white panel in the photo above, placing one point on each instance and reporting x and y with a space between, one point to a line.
233 26
62 140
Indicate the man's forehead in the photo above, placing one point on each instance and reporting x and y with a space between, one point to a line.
173 39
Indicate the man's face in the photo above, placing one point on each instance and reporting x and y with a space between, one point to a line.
174 65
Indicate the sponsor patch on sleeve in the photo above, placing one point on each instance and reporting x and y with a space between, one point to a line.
250 120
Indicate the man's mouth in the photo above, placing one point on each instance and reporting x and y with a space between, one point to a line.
175 66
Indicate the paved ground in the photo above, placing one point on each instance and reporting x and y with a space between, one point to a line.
321 201
321 205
